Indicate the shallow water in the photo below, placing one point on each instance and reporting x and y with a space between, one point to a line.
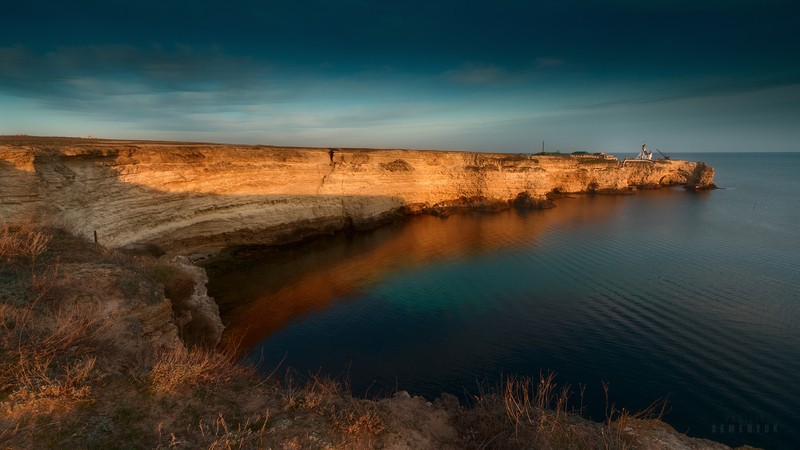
690 296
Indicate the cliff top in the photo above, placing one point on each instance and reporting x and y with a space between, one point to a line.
92 142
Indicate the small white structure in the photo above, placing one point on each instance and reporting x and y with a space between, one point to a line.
607 156
645 153
644 156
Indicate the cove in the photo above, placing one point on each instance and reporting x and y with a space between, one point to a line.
690 296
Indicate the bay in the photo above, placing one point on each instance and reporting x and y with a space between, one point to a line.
692 297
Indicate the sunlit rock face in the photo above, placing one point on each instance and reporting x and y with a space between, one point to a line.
188 197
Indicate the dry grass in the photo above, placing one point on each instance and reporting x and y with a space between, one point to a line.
22 241
21 246
363 424
537 406
617 420
174 371
25 242
529 414
356 423
48 350
220 435
44 387
313 414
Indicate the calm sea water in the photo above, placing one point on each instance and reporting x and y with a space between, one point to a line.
690 296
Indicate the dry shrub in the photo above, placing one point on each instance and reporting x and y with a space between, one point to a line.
528 414
363 423
43 386
353 422
48 349
316 393
23 242
537 415
294 443
613 435
49 363
318 390
176 370
218 434
42 383
541 408
10 248
75 331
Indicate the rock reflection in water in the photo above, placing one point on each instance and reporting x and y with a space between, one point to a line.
260 291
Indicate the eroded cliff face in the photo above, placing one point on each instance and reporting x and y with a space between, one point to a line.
185 197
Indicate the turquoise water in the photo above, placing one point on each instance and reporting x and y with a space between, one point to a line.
690 296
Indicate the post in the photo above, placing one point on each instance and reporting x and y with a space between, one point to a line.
542 146
95 237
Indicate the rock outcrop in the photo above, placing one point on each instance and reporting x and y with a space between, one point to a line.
188 196
199 317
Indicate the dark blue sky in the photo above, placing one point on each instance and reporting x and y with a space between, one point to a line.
707 75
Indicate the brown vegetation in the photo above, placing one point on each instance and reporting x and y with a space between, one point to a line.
527 414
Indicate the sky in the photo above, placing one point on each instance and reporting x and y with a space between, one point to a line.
682 76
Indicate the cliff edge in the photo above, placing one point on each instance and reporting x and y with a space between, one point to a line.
191 196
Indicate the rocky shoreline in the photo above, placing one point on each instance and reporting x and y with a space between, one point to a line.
194 199
191 197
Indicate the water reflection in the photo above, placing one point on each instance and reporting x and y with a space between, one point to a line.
260 291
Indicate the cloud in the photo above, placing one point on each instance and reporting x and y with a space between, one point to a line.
89 72
541 63
476 74
201 90
179 88
489 74
633 94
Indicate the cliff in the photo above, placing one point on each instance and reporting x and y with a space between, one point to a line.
190 196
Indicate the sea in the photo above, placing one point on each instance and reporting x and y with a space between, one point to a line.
686 298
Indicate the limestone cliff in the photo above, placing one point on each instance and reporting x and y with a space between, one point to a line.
183 196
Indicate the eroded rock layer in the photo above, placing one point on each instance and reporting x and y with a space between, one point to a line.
191 196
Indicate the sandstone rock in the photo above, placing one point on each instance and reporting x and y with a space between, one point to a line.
203 311
185 197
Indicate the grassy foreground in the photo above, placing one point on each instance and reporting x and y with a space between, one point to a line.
98 349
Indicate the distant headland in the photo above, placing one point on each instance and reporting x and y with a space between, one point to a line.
185 197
